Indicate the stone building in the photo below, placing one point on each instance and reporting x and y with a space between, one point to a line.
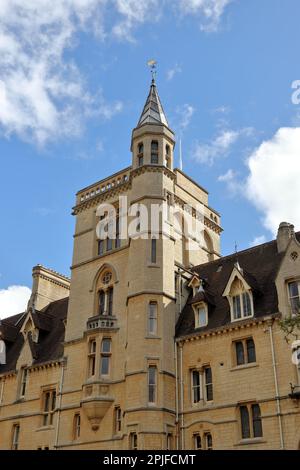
150 344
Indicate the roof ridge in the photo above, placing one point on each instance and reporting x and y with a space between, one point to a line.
252 248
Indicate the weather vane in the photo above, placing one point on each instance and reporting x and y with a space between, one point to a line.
152 64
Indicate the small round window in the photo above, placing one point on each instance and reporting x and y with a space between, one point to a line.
107 277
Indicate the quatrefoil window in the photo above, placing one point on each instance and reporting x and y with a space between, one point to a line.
294 255
107 277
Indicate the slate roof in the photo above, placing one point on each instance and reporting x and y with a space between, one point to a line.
49 321
260 265
153 112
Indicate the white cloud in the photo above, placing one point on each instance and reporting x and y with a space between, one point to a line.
134 13
258 240
233 183
13 300
173 71
185 114
43 95
210 12
273 180
220 146
222 109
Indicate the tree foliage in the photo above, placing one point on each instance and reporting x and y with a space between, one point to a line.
291 326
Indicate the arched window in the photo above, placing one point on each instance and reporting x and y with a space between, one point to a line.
154 152
240 301
140 155
105 294
208 245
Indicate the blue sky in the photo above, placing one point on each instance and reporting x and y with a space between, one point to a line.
73 81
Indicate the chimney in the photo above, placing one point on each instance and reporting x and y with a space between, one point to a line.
47 286
284 235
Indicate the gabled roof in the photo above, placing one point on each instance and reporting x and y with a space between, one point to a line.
153 112
50 322
260 265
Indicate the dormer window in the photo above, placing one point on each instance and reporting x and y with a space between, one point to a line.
154 152
201 317
240 299
241 306
2 351
140 155
294 297
239 295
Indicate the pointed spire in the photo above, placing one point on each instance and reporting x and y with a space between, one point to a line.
153 112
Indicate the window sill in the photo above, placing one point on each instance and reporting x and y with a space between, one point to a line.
235 320
20 400
113 250
244 366
152 337
153 265
45 428
202 404
253 440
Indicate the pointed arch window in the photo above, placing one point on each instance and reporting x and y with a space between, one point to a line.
105 294
154 152
240 299
241 306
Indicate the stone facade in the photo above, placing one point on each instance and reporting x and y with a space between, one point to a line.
114 375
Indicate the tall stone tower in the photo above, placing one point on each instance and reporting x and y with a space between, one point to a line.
125 297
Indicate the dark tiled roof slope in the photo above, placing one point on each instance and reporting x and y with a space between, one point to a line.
49 321
260 265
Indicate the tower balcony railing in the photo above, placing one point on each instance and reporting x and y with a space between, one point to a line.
102 322
104 186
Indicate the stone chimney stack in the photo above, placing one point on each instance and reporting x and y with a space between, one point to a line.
47 286
284 235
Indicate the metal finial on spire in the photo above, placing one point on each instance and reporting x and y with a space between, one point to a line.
152 64
153 112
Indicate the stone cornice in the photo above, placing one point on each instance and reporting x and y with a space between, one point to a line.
227 328
53 281
50 275
150 292
153 169
32 367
